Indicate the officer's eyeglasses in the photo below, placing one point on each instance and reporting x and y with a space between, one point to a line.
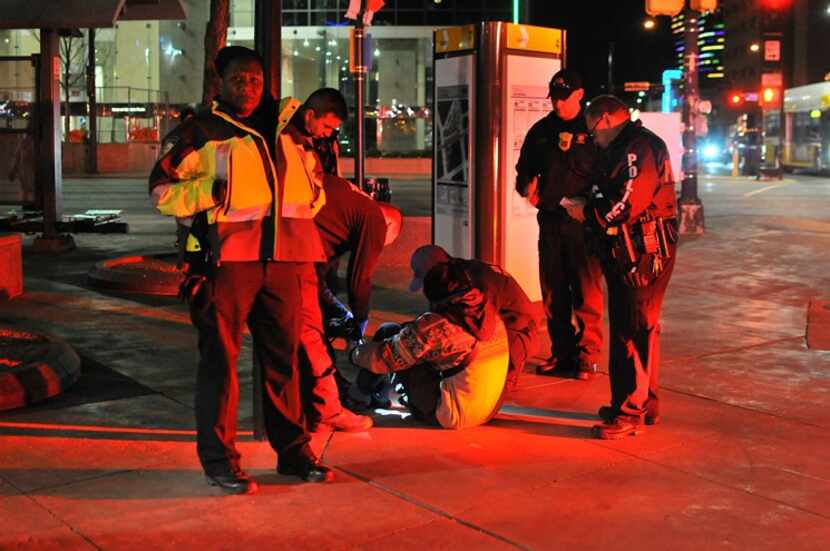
593 131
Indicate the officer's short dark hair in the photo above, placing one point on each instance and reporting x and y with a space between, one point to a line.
601 105
232 53
327 100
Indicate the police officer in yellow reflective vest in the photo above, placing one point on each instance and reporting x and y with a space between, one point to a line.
555 162
256 202
632 213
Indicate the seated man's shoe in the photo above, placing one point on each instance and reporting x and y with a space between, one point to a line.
607 414
585 371
620 427
304 464
233 482
345 421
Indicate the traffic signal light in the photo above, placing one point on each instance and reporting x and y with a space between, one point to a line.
770 97
664 7
775 5
703 5
735 99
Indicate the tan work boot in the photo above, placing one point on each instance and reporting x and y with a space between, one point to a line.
345 421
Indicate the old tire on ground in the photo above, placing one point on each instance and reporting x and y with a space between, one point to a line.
34 367
146 275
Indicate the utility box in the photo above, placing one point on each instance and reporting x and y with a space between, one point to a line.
491 86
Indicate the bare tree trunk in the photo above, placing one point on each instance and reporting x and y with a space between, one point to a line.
67 117
66 66
215 36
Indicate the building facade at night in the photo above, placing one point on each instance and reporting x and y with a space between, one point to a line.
163 61
804 25
711 44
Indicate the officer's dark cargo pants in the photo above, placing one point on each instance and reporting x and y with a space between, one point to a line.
571 282
266 297
634 363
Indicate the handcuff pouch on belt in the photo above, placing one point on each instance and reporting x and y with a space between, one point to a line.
640 249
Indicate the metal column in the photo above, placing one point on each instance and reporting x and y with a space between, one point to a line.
48 174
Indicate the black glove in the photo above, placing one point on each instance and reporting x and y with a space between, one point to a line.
344 328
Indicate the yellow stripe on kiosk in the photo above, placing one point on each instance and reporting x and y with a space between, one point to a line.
534 39
455 39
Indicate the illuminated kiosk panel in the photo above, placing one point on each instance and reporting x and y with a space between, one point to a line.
452 167
527 102
491 84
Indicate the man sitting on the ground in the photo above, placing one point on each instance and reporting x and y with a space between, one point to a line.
501 290
451 361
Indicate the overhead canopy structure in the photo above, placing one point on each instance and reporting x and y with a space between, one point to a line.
68 14
52 16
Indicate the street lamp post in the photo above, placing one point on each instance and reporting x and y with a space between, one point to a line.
610 67
359 69
691 207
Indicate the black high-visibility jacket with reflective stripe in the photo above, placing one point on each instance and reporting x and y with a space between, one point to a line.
267 212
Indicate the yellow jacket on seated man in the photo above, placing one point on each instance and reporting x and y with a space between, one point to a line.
451 361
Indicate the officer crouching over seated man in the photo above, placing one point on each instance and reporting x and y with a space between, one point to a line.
451 361
354 223
632 216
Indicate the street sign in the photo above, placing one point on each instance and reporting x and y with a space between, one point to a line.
772 80
772 50
636 86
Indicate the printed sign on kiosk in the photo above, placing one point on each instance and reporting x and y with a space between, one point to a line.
491 86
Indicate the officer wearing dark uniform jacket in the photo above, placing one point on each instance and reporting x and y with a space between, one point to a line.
633 214
556 162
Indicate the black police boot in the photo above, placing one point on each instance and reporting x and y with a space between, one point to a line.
305 464
234 481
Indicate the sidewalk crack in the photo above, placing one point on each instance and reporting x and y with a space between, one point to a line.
435 510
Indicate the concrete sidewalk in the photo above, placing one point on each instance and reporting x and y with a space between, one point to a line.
740 460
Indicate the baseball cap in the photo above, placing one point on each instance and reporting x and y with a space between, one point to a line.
422 261
563 83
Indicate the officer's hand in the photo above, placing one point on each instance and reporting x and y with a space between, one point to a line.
577 213
575 207
533 191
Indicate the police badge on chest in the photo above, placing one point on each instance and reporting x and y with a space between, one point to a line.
565 139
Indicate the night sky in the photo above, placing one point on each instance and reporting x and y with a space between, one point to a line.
640 55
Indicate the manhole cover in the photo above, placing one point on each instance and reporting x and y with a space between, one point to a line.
148 275
34 367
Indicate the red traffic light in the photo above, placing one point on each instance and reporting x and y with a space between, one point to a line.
736 99
775 5
770 96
